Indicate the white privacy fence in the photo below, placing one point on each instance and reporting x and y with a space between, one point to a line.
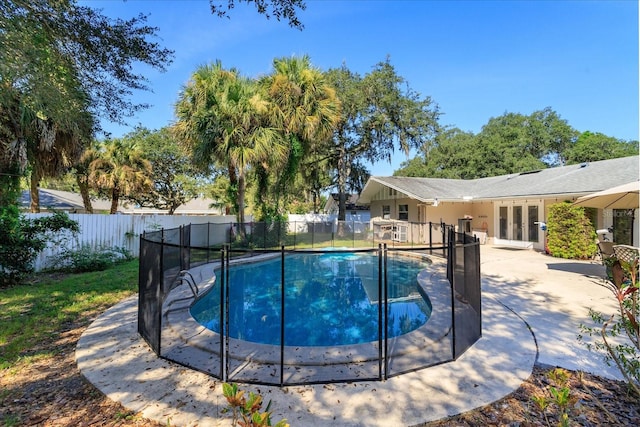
119 231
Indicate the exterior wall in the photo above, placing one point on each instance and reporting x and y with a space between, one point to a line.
482 224
449 213
376 208
485 218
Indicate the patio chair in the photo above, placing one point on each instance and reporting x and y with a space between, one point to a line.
605 249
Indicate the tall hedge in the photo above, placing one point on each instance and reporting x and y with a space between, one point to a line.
570 233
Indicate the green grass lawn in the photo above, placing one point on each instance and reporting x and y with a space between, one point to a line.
33 315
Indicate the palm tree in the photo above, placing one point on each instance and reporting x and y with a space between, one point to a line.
221 119
305 107
55 150
118 170
50 142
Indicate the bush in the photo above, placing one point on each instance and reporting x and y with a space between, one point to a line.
570 233
22 239
87 258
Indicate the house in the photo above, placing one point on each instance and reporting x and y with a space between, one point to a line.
507 210
351 204
58 200
69 202
198 206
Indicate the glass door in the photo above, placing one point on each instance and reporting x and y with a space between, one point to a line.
532 219
518 223
504 222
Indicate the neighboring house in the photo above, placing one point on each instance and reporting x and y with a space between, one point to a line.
66 201
199 206
72 203
505 210
351 204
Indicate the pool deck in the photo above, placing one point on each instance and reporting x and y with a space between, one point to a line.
532 307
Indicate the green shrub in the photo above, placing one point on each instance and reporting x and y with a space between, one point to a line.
22 239
87 258
570 233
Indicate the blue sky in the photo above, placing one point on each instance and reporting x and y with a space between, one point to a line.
475 59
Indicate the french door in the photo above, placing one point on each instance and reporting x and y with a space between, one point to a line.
519 222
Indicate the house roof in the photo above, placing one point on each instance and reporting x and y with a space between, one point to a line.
564 181
68 201
351 203
198 206
61 200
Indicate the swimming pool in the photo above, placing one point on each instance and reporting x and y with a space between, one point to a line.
331 299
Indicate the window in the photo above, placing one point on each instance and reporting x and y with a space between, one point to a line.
403 212
386 211
622 223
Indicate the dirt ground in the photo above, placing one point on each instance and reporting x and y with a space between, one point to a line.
52 392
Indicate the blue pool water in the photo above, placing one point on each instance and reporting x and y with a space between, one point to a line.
330 299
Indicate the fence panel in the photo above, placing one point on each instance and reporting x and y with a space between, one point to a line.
467 298
150 283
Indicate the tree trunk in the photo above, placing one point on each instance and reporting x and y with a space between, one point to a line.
115 198
83 186
315 202
233 181
35 195
343 175
241 190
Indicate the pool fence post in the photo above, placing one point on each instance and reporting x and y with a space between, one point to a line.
295 232
279 231
353 233
334 228
380 311
386 315
158 294
223 274
282 322
208 242
226 314
431 238
451 267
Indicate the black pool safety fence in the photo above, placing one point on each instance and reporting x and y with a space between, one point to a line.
179 267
